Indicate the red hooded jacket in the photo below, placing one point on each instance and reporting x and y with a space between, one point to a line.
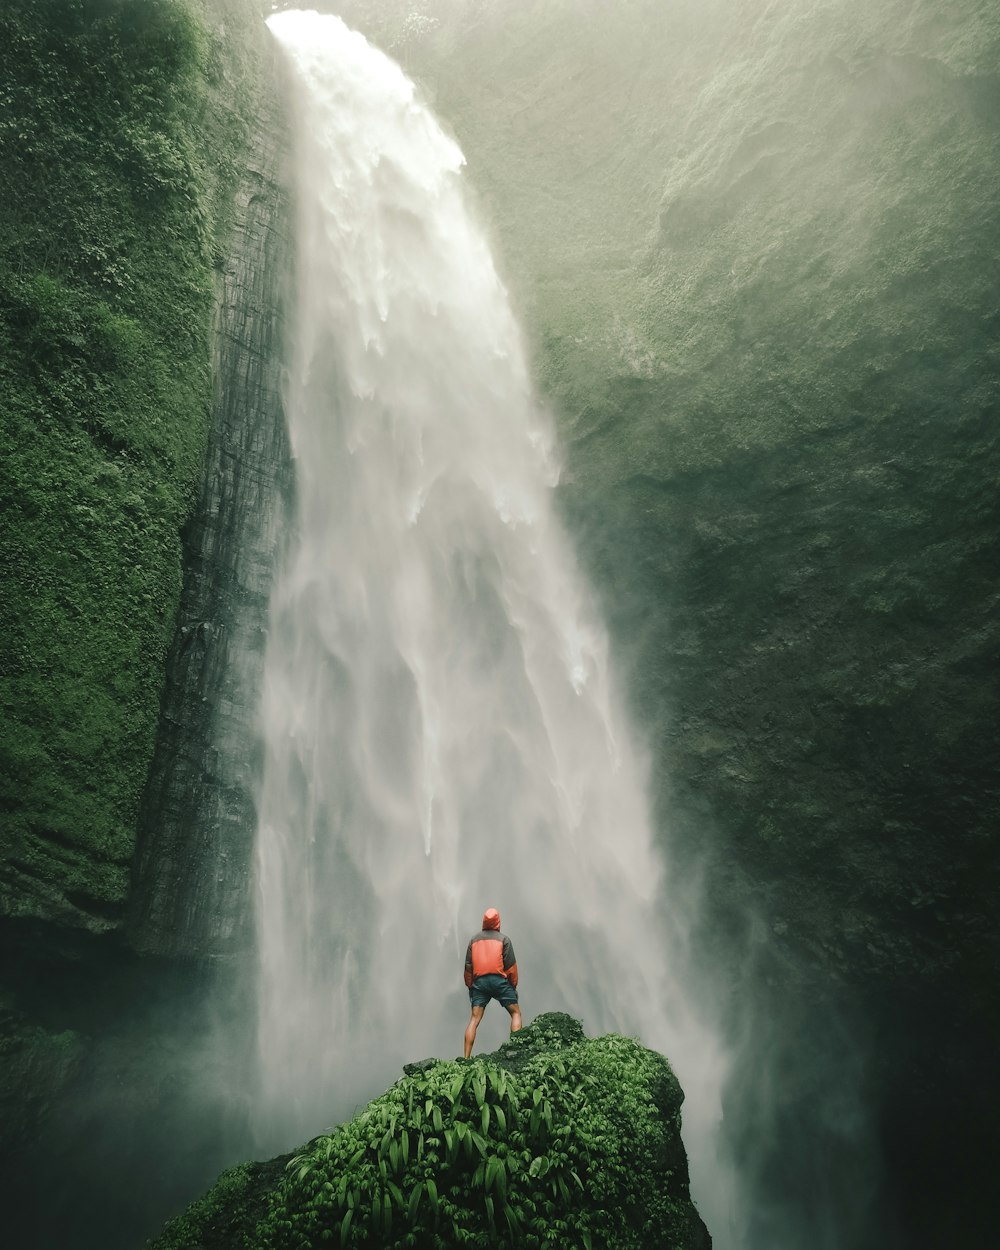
490 951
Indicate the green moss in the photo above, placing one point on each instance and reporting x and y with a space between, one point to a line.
119 176
543 1144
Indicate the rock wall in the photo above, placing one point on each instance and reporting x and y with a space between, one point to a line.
756 249
190 881
148 368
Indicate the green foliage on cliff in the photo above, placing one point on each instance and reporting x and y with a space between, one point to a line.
226 1217
113 211
572 1145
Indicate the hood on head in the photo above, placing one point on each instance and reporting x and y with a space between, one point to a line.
491 918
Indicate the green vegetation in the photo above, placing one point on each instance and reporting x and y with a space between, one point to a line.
227 1215
117 176
576 1145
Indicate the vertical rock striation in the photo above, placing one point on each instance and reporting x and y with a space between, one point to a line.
197 822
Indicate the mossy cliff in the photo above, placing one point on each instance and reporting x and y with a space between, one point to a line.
141 460
757 249
554 1140
124 135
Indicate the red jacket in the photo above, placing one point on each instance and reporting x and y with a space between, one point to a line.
490 952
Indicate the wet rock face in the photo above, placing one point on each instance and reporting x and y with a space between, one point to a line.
190 879
113 1076
757 254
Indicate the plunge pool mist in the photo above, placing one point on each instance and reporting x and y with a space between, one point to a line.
442 727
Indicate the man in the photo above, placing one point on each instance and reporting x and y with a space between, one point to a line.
490 972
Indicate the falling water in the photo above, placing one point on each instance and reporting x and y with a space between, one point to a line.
442 727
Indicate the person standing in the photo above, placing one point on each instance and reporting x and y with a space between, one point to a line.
490 972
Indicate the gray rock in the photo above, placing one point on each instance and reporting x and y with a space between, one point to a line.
190 884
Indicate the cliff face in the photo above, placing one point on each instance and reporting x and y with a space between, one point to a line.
140 230
757 252
553 1140
105 240
142 255
190 883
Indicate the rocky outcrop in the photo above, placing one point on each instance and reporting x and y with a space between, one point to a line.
553 1140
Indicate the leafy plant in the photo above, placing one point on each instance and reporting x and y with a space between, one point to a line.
568 1151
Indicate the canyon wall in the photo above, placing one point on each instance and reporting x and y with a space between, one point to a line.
757 254
145 248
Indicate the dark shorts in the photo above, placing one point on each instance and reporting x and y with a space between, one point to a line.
492 985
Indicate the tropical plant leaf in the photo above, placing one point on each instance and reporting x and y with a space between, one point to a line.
414 1203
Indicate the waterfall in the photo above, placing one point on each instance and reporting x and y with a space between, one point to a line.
442 726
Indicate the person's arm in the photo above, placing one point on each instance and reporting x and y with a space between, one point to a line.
468 966
509 962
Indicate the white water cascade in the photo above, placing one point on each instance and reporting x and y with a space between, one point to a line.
442 728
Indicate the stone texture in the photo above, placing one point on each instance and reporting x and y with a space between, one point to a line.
190 890
756 252
114 1077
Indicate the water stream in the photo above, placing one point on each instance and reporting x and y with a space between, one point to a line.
442 725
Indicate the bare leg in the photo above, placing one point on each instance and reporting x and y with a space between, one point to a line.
515 1016
470 1029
